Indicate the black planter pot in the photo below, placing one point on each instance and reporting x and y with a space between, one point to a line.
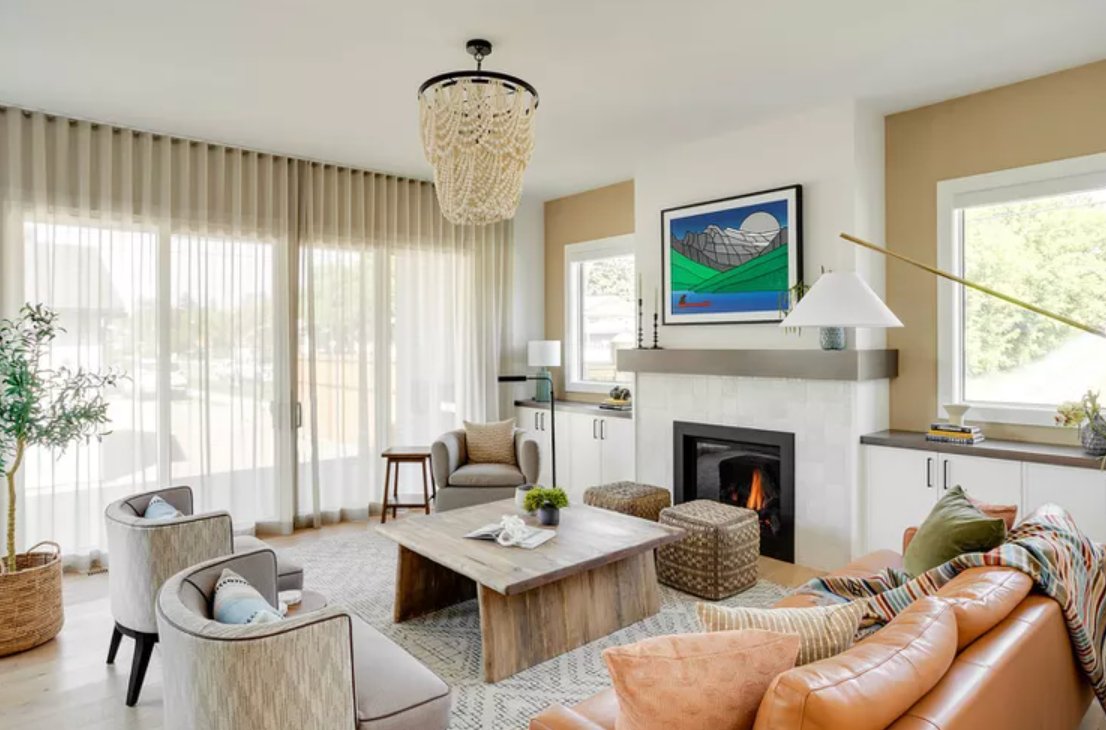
549 515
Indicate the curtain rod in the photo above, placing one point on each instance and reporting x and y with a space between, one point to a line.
192 142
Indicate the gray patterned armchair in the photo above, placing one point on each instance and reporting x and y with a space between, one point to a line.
320 669
144 553
462 484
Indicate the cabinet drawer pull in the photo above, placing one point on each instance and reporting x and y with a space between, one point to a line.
594 423
542 420
929 472
945 474
535 420
603 429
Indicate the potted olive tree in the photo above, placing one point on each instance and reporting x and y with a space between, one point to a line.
45 407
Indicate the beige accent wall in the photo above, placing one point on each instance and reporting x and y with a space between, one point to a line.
599 213
1049 118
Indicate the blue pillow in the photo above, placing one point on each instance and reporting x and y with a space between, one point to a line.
159 509
237 602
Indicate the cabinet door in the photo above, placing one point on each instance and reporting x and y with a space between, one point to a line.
585 469
995 481
1082 492
902 487
617 446
527 419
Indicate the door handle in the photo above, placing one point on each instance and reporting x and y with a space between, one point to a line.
603 429
929 472
594 422
945 474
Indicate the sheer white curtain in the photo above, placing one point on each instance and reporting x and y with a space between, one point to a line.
403 321
169 260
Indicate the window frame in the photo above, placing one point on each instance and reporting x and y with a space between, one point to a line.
575 254
1059 177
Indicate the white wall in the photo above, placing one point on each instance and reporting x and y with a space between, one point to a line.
835 152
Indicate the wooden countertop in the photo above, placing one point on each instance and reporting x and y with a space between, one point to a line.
592 409
990 449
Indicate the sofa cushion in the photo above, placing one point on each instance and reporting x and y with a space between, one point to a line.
871 684
487 475
697 681
491 443
954 526
981 597
289 572
823 630
394 690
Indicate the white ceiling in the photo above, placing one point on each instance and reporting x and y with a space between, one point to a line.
336 79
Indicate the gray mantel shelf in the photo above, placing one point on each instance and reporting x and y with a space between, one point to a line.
852 365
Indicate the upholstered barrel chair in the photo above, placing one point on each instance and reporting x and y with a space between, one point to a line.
320 669
143 553
461 483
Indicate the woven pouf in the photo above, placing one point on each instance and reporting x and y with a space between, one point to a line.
718 558
630 498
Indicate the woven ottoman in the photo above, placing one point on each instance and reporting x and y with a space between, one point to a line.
630 498
718 558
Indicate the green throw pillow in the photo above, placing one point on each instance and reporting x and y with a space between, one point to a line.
954 527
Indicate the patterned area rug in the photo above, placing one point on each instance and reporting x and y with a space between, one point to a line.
358 570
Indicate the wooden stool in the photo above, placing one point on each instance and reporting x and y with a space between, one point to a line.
406 455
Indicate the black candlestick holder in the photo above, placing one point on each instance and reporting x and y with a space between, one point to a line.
640 326
656 346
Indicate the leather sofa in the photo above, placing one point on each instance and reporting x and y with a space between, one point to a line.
986 652
460 483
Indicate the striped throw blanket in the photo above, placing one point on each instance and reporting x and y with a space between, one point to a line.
1064 564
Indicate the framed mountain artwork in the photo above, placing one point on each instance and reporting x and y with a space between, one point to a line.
733 260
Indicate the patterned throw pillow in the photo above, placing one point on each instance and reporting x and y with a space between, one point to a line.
159 509
490 443
237 602
823 631
697 681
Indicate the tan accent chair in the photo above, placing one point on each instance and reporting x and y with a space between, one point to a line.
143 553
463 484
320 669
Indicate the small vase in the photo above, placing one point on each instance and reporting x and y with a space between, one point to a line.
520 499
1093 437
549 515
832 338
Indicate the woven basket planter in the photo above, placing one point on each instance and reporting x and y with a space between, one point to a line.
30 600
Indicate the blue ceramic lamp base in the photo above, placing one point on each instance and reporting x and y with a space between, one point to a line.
543 392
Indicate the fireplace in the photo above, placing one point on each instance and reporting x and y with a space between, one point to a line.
746 467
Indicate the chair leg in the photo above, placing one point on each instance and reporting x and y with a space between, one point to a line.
143 648
113 647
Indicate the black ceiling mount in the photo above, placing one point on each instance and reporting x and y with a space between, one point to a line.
479 49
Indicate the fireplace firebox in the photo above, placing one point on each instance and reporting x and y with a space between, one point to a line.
746 467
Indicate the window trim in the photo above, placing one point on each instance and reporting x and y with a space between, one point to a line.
1032 181
577 253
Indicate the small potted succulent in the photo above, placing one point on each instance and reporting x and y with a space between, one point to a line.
548 503
1088 416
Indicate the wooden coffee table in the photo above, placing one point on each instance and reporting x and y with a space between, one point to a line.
595 577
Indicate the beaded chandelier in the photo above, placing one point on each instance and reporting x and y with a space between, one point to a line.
478 134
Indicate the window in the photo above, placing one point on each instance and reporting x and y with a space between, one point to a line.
1039 234
599 311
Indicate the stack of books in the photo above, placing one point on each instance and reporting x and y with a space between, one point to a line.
612 404
952 434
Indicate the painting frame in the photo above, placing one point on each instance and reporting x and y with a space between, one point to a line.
733 307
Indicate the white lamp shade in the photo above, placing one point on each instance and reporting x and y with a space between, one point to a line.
543 353
841 299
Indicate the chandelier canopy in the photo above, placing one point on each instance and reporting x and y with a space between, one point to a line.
478 134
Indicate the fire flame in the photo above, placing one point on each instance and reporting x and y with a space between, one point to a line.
756 500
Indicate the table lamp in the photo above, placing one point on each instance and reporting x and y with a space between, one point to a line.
544 354
840 299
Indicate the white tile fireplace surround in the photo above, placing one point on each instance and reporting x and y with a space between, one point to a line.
827 417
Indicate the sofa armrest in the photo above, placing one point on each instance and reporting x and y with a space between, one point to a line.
907 536
558 717
528 456
447 455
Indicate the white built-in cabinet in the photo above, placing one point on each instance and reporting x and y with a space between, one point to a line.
902 485
591 449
